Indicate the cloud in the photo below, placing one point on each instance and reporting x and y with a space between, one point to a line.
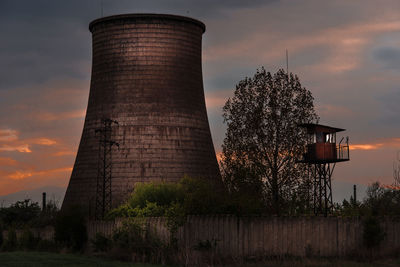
10 141
326 110
380 144
64 153
388 56
7 162
52 116
8 135
19 175
365 146
19 148
217 99
44 141
344 43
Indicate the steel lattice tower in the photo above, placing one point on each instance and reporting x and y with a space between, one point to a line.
104 174
322 188
321 155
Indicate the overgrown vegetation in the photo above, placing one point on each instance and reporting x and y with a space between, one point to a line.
380 201
188 197
27 213
70 228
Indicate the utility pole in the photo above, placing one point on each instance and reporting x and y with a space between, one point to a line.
104 172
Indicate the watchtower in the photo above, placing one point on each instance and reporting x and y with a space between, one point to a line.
321 154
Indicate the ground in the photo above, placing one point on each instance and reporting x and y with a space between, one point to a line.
44 259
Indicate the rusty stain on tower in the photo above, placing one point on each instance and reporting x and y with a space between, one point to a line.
147 75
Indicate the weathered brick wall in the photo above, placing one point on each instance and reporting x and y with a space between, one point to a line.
147 75
258 237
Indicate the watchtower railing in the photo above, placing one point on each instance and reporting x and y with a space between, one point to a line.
342 150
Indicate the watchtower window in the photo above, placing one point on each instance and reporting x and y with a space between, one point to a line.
320 137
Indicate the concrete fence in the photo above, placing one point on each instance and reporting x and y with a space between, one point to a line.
257 237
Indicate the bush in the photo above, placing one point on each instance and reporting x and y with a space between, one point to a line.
373 233
163 194
10 243
27 240
133 237
101 243
1 235
46 245
70 228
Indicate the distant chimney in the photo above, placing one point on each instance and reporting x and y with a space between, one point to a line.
355 193
44 201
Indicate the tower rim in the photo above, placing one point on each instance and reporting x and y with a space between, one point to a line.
147 15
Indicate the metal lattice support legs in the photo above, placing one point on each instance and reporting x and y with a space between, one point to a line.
323 203
103 190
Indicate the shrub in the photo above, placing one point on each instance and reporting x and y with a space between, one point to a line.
373 233
1 235
27 240
46 245
163 194
70 228
133 238
10 243
101 243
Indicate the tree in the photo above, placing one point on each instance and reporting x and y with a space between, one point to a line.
263 139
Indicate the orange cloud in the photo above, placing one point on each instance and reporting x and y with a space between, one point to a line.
365 146
11 141
19 148
392 187
19 175
392 142
64 153
7 135
217 99
47 116
44 141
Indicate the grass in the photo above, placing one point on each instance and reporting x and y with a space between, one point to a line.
45 259
326 263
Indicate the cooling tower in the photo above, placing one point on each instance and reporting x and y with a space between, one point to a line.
147 76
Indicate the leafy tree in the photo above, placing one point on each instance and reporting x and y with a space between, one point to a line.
263 139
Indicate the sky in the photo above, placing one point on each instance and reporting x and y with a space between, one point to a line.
347 53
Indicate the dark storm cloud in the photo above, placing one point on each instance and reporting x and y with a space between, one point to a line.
38 45
46 39
389 57
81 9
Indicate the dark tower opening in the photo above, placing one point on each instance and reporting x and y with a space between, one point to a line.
147 75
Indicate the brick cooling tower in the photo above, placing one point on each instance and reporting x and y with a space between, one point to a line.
147 76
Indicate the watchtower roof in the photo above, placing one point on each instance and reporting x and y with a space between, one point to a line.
313 128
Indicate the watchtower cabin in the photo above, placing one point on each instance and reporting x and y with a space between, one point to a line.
321 144
321 154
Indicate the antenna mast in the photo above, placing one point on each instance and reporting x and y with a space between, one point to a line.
287 62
